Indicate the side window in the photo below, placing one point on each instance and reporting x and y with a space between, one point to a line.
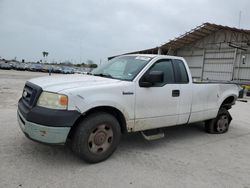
180 71
167 68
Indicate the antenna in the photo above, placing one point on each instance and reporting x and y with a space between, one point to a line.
80 51
239 19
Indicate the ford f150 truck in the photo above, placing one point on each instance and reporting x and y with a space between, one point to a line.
129 93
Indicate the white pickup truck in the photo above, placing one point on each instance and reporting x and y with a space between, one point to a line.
129 93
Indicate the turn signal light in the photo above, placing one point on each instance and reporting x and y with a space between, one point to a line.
63 100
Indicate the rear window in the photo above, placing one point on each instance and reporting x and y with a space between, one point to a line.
180 71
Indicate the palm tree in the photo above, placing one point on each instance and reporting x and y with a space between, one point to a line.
45 54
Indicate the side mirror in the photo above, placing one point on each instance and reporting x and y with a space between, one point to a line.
151 78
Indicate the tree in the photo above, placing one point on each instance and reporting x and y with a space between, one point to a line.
93 65
45 54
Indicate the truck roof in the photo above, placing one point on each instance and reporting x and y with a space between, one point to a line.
154 55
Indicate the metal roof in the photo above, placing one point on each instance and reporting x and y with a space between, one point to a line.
190 37
199 33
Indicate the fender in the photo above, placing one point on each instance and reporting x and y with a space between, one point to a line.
228 93
88 107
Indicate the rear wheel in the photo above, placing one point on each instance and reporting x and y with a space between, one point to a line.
96 137
220 124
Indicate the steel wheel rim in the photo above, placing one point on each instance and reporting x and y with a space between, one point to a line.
222 123
100 139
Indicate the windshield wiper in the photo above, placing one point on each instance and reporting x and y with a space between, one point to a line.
103 75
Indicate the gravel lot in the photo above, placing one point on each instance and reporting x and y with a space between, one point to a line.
186 157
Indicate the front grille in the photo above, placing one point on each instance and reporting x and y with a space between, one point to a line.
30 94
27 93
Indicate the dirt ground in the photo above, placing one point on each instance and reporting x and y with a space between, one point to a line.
186 157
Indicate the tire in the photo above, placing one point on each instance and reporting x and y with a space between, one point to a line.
96 137
220 124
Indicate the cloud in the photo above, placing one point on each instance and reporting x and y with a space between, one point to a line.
79 30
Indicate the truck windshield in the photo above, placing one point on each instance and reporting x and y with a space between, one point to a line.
122 68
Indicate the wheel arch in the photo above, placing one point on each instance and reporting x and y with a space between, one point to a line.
108 109
228 102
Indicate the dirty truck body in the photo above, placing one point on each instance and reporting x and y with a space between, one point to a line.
130 93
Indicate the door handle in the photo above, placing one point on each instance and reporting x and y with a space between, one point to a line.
175 93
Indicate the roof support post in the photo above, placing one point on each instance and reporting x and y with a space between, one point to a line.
203 62
159 51
234 63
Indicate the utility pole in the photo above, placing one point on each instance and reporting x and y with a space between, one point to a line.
80 54
45 55
239 20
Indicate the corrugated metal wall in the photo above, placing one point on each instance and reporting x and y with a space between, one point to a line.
242 66
213 59
218 64
194 59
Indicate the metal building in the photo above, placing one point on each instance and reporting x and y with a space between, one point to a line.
213 52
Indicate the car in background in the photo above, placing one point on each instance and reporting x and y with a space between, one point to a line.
79 71
12 65
56 69
46 68
67 70
36 68
32 67
20 67
2 61
5 66
28 67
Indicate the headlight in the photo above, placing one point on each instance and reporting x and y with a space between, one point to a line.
53 101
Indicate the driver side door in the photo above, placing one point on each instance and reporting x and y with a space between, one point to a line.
157 105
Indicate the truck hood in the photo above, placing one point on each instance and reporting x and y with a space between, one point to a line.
63 82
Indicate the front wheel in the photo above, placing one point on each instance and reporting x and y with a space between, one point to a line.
96 137
220 124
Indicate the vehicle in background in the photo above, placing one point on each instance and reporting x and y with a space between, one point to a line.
32 67
28 66
246 91
67 70
20 66
87 69
56 69
46 68
2 61
79 70
5 66
12 64
36 68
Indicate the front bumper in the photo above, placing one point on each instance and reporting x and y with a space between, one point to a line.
41 133
42 124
